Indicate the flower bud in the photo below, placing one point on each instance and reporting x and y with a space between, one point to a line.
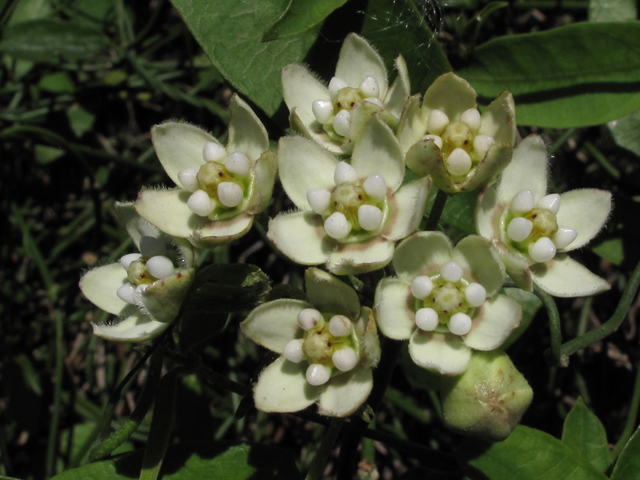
451 272
551 202
238 163
318 374
427 319
323 110
375 186
213 152
437 122
523 201
421 287
188 179
345 359
472 118
335 85
342 122
200 203
369 87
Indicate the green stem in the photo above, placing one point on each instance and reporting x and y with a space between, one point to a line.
55 416
436 210
561 139
610 325
631 418
584 318
602 160
554 325
316 469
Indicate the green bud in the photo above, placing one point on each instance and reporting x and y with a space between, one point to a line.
488 400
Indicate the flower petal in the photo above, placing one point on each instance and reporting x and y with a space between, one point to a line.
394 308
445 353
368 333
497 318
406 209
488 213
304 165
499 119
412 126
528 169
586 211
246 132
100 285
179 146
400 90
494 162
318 135
265 175
300 89
564 277
345 393
451 94
168 210
422 254
328 294
137 227
357 258
274 324
222 232
283 387
517 268
480 262
136 328
359 59
300 236
422 156
162 300
378 152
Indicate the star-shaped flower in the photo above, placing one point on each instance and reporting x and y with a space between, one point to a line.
219 189
350 215
334 116
328 346
448 139
445 301
145 290
533 231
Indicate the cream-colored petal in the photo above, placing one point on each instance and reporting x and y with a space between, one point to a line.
413 125
517 268
222 232
328 294
367 331
345 393
274 324
528 169
488 213
400 90
451 94
493 323
564 277
445 353
300 236
394 308
494 162
406 209
179 146
423 253
480 262
137 227
300 89
100 286
283 387
136 328
422 156
499 119
586 211
168 210
357 60
304 165
316 133
246 132
357 258
265 176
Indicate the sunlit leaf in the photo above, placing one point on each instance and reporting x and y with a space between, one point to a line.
584 433
300 15
628 464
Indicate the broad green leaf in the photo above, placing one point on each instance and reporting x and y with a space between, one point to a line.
529 454
229 31
583 432
628 464
611 249
530 304
30 10
398 27
45 154
51 40
59 82
459 211
626 132
197 461
80 120
300 16
612 10
578 75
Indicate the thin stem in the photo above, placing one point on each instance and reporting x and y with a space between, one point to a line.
554 325
602 160
610 325
584 318
436 210
316 469
561 139
55 416
631 418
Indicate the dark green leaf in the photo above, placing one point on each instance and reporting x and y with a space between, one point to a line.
80 120
399 28
459 211
197 461
578 75
628 465
51 40
583 432
611 249
58 82
31 378
529 454
229 31
626 132
300 16
45 154
612 10
530 304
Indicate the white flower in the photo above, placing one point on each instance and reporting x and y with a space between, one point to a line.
333 116
329 344
219 189
533 231
351 214
144 289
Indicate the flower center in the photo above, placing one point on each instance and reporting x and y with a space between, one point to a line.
220 187
532 228
352 211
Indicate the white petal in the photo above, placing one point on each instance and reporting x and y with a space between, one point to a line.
369 87
563 237
319 199
340 326
188 179
299 89
283 387
318 374
564 277
523 202
406 209
376 101
213 152
421 287
357 59
543 250
460 324
445 353
459 162
519 229
309 318
126 260
329 294
451 272
335 85
274 324
475 294
125 292
337 226
300 236
345 173
427 319
342 123
135 328
436 139
293 351
356 258
437 122
528 168
550 202
369 217
495 321
246 132
345 393
160 266
230 194
238 163
345 359
323 110
200 203
422 254
586 211
394 308
152 246
169 211
375 186
472 118
481 144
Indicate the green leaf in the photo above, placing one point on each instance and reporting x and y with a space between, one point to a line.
578 75
626 132
398 27
611 249
80 120
583 432
530 304
459 211
50 40
58 82
612 10
45 154
628 465
529 454
198 460
229 32
300 16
